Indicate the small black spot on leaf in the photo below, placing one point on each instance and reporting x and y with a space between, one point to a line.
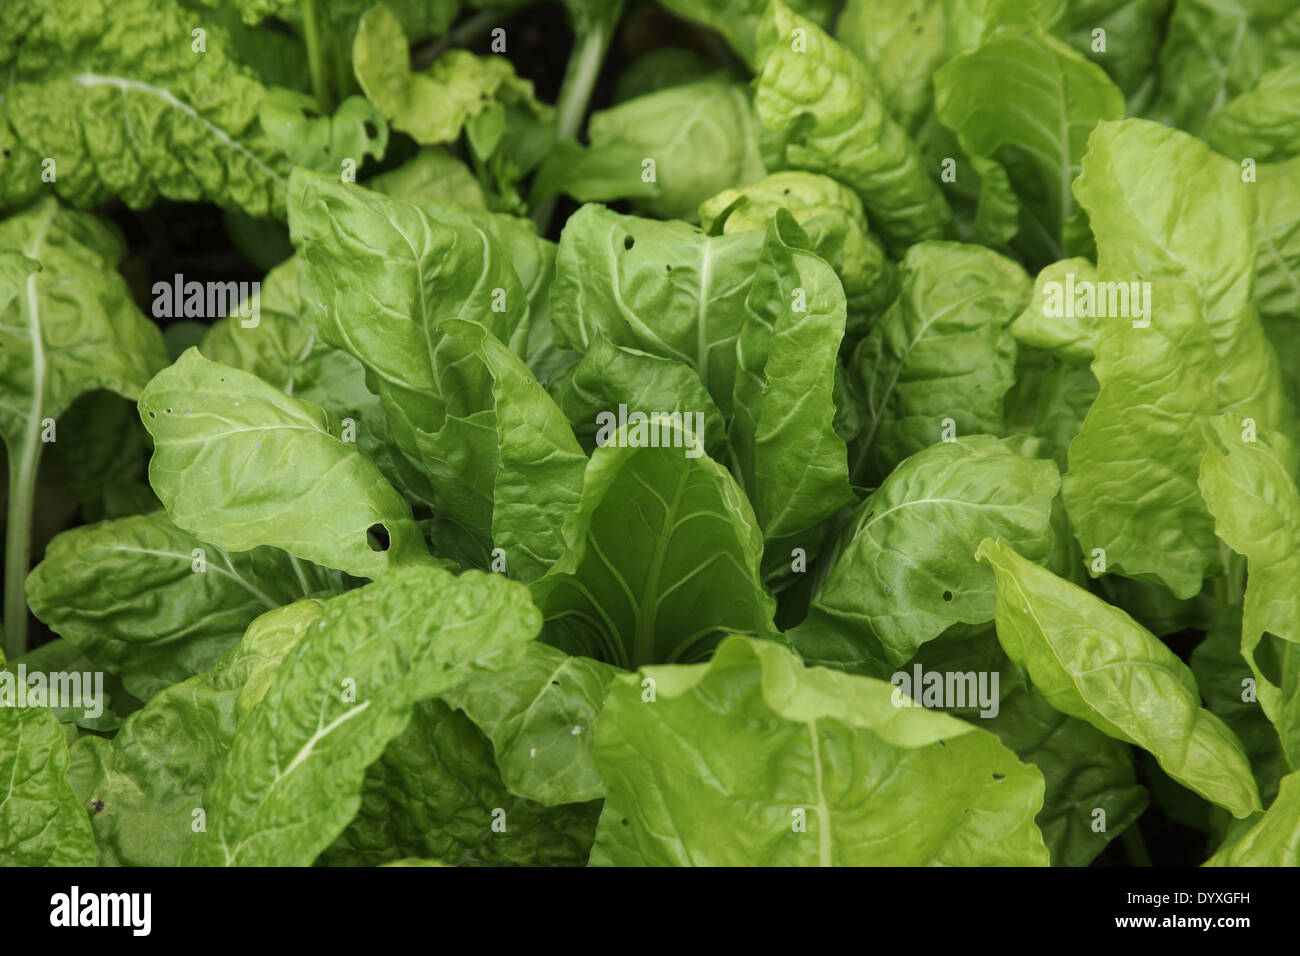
999 776
628 242
96 806
947 595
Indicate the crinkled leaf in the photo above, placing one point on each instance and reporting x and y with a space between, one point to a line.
143 599
294 776
827 115
753 759
943 351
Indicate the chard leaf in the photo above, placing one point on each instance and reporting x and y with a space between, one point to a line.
942 351
432 106
1049 321
540 716
611 375
1274 839
902 571
1028 101
436 793
702 136
737 20
786 451
836 226
240 464
1277 238
801 767
41 823
154 604
125 107
1263 123
1083 769
296 768
661 287
1256 507
661 561
1131 488
826 114
72 329
1231 691
141 788
1094 662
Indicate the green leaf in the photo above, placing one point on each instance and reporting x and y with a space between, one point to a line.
1028 101
801 767
787 454
902 571
436 793
154 604
942 352
432 106
1083 769
1198 351
832 217
702 136
661 561
240 464
1277 238
141 788
431 175
1049 400
540 716
1094 662
294 776
73 329
903 43
324 143
1256 507
608 376
1274 839
1230 689
1262 123
41 823
737 20
661 287
1049 321
125 108
827 115
1214 52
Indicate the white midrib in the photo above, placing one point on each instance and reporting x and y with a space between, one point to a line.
125 85
823 811
320 734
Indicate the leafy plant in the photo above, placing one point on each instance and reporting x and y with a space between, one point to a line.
847 434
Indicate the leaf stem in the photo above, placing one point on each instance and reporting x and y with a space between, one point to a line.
18 542
1135 846
315 59
459 35
585 60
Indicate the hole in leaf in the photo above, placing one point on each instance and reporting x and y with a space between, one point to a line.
947 595
624 823
153 414
999 776
96 806
628 242
371 130
555 683
377 537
